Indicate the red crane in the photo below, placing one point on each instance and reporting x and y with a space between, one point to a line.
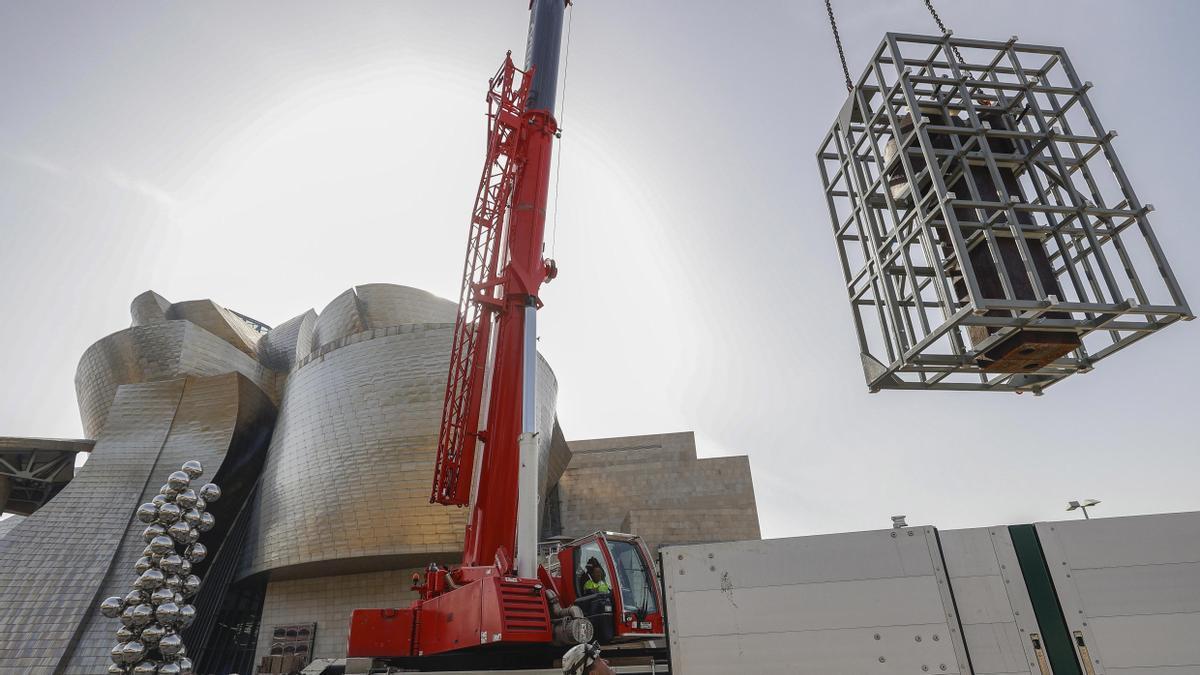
500 604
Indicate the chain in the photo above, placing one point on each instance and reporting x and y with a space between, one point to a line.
945 31
837 38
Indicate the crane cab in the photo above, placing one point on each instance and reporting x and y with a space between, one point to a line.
623 601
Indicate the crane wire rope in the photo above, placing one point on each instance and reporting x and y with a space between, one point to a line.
837 39
562 117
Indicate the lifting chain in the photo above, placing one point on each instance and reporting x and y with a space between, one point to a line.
837 38
945 31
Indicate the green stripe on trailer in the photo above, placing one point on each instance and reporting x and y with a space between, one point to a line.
1055 636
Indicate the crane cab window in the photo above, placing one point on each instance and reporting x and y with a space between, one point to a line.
634 577
588 582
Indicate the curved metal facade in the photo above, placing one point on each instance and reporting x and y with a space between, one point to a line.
346 486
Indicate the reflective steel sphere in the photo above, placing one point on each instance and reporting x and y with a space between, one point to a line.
117 653
187 498
210 492
179 531
191 584
178 480
147 512
152 634
167 614
145 668
171 564
187 614
193 468
132 651
169 513
114 669
162 595
142 565
153 531
162 545
159 500
192 517
206 522
179 599
170 645
169 669
185 666
196 553
174 582
142 615
135 597
185 568
149 580
111 607
168 492
201 503
127 616
125 634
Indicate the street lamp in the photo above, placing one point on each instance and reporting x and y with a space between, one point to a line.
1083 506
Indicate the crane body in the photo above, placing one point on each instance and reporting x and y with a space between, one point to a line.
500 603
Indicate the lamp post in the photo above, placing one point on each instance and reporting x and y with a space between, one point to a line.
1083 506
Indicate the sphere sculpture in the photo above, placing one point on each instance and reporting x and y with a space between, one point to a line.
154 613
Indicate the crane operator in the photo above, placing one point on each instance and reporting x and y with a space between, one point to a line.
596 582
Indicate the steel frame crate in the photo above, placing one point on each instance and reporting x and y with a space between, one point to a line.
989 237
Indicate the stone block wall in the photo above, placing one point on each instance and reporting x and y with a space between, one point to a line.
654 486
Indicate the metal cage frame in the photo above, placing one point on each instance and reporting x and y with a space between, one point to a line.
1024 228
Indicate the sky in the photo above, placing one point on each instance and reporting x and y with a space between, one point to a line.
270 155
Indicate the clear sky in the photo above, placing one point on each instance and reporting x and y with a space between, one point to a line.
269 155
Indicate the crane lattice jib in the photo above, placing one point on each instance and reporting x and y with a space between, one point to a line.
478 298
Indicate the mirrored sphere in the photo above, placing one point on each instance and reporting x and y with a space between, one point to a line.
185 666
210 492
153 531
168 492
169 669
125 634
133 651
191 584
192 517
206 522
111 607
117 653
143 563
187 614
168 615
174 582
162 595
187 498
159 500
127 617
170 645
135 597
149 580
147 512
172 564
147 550
193 468
114 669
196 553
162 545
179 599
180 532
201 503
185 568
142 615
169 513
153 633
178 480
145 668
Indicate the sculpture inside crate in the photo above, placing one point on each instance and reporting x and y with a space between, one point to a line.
989 237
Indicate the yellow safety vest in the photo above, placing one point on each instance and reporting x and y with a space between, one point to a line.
596 586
